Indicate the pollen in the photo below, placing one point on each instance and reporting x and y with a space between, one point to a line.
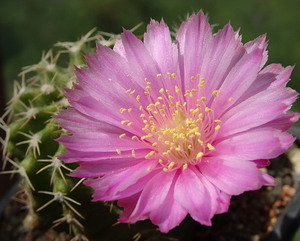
215 93
151 153
210 147
217 127
124 122
177 125
199 155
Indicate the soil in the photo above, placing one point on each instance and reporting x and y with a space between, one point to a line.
251 216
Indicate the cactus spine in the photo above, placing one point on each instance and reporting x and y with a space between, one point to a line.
53 199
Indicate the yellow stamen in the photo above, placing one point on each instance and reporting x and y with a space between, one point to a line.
151 153
122 110
215 93
217 127
124 121
210 147
208 109
199 155
170 166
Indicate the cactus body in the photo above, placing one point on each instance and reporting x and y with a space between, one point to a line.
54 199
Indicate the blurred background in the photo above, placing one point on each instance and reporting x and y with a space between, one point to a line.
28 27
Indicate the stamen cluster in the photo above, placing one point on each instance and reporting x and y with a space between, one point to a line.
178 126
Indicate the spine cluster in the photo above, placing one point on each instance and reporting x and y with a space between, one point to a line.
53 198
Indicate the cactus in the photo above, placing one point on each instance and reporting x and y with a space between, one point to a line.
53 198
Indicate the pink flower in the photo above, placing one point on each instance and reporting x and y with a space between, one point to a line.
170 128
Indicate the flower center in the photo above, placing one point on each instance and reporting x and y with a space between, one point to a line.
177 126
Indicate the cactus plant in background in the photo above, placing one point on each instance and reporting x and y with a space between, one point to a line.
54 199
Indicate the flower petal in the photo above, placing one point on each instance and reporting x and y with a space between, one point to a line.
198 196
158 41
234 176
97 141
74 121
123 183
194 36
261 143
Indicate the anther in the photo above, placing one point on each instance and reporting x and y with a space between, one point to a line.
217 127
124 121
208 109
122 110
215 93
171 165
151 153
210 147
199 155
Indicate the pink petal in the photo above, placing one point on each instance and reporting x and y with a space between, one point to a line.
97 141
169 215
198 196
153 195
123 183
219 56
264 107
261 143
234 176
141 62
101 167
74 121
240 77
194 37
258 43
158 41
